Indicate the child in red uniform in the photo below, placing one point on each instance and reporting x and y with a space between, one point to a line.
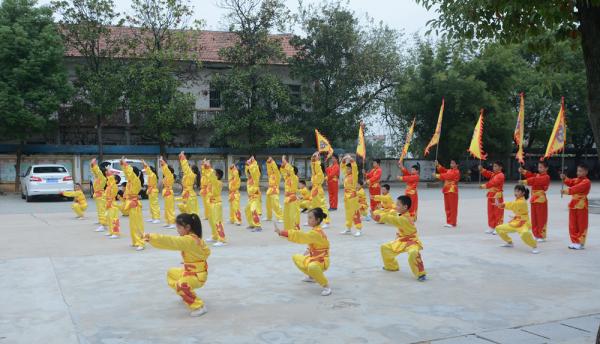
494 187
373 178
578 188
412 182
333 175
450 190
539 183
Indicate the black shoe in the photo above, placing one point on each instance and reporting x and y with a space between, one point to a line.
422 278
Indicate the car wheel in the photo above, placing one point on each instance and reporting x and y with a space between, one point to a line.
22 194
28 198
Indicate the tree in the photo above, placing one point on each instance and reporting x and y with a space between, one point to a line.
348 69
33 79
91 27
257 109
509 21
163 42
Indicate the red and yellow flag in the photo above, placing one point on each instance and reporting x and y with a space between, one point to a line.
361 148
323 145
519 131
559 133
476 147
408 139
438 130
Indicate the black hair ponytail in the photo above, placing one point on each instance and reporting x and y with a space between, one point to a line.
191 220
523 189
319 214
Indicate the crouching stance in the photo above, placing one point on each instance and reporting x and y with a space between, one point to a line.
520 222
316 258
407 239
79 202
194 252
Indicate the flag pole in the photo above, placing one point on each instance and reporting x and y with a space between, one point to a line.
479 173
562 171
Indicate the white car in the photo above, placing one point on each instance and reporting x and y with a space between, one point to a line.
45 180
115 167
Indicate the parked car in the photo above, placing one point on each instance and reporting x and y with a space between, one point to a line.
45 180
115 166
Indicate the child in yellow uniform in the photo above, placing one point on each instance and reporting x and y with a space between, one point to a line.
351 206
362 200
167 193
274 177
520 222
112 206
189 200
235 216
134 205
204 185
252 209
123 199
194 253
215 217
79 202
304 196
291 204
98 188
316 192
407 239
316 260
385 202
152 192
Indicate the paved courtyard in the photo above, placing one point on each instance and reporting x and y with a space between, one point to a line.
64 283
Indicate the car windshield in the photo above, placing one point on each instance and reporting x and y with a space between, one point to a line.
117 165
49 169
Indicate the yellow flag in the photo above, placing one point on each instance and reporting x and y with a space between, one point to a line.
438 130
519 131
361 148
408 139
559 133
323 144
476 147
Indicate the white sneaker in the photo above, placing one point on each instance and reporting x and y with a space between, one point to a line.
540 240
198 312
358 233
576 246
219 244
238 224
279 221
326 292
171 226
494 232
308 279
346 232
489 231
209 240
508 244
166 225
148 220
325 225
114 236
100 229
368 218
535 251
107 234
447 225
306 224
80 218
139 248
155 221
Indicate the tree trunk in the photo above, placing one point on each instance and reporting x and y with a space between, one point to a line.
589 18
99 137
163 149
18 166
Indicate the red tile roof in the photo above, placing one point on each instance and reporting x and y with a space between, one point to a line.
207 43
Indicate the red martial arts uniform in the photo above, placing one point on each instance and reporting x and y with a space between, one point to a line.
333 175
412 181
450 191
539 183
495 188
579 188
373 178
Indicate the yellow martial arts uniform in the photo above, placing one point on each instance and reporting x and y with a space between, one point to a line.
152 192
235 216
385 205
362 201
122 205
189 201
204 194
167 194
79 202
98 187
215 217
351 205
291 205
407 240
252 209
112 207
305 198
134 206
316 260
520 223
273 206
194 273
316 193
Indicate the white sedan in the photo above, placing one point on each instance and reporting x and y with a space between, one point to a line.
45 180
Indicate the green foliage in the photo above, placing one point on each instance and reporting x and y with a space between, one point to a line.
33 80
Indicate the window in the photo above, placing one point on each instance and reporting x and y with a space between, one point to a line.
214 98
295 98
49 169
